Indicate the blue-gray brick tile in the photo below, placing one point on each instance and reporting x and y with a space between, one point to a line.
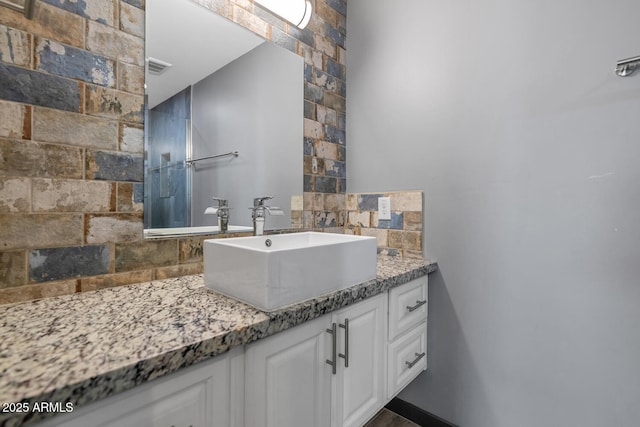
62 263
67 61
77 7
308 73
339 6
333 134
305 36
368 202
326 184
308 146
33 87
341 88
335 168
324 80
342 120
336 35
115 166
283 39
342 185
137 3
313 93
308 184
395 223
309 110
335 69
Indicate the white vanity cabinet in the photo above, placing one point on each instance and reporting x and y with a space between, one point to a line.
407 348
337 370
288 381
206 394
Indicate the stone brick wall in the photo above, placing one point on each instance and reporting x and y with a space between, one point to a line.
399 236
71 142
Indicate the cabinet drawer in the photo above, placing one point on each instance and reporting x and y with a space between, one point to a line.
407 306
407 357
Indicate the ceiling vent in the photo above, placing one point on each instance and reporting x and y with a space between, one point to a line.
156 66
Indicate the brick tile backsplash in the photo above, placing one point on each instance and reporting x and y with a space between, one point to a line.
399 236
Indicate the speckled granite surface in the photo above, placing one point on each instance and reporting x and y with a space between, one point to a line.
84 347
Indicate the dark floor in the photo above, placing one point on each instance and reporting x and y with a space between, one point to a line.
386 418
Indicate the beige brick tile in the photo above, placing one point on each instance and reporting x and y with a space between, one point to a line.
406 201
381 235
413 221
126 200
15 46
118 279
131 19
178 270
131 138
115 44
351 202
41 290
18 231
15 195
326 150
48 21
114 104
324 45
119 227
313 129
13 269
16 120
131 78
67 128
146 254
65 195
251 21
361 219
26 158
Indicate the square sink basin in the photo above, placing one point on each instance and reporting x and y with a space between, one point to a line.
270 272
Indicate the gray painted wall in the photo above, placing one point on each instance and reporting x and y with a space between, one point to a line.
253 106
508 115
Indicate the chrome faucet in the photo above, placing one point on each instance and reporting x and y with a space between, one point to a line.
258 213
222 210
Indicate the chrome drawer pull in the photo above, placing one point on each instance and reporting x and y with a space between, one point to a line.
418 357
417 306
333 331
345 356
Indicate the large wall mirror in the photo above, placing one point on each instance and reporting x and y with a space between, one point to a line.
223 119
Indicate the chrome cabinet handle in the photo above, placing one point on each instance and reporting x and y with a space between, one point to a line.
418 305
418 357
345 356
333 331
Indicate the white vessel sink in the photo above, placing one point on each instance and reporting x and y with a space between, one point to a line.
295 267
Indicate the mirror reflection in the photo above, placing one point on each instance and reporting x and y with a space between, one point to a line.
223 123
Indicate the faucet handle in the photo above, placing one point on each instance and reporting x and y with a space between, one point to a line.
221 202
274 210
259 201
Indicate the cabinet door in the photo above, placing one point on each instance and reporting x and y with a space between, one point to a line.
287 379
194 396
359 389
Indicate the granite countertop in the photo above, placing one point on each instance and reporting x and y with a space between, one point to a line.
84 347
